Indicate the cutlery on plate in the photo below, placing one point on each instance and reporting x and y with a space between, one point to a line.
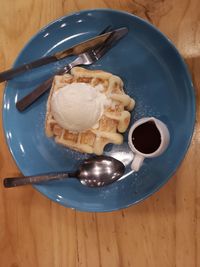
86 58
93 172
72 51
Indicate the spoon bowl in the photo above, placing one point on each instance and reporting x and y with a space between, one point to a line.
100 171
93 172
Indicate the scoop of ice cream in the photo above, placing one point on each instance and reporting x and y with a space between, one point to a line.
78 106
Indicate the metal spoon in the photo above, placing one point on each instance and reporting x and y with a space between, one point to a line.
94 172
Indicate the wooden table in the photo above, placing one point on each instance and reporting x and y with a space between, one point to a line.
164 230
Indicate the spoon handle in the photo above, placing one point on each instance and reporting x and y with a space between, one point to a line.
25 180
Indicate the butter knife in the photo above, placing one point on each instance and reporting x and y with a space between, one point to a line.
72 51
29 99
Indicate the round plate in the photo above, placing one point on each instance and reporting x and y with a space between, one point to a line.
154 74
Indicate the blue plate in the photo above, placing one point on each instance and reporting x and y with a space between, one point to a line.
154 74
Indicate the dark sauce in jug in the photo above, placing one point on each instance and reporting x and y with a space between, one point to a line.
146 137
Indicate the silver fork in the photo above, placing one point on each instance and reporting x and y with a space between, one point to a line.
86 58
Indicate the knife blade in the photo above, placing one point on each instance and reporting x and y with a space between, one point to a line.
27 100
72 51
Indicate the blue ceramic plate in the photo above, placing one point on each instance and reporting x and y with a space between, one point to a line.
154 74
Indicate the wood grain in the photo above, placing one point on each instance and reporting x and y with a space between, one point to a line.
164 230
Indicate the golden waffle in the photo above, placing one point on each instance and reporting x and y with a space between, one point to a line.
115 119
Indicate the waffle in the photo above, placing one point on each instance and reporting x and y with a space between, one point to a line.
113 122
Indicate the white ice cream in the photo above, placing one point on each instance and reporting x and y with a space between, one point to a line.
78 106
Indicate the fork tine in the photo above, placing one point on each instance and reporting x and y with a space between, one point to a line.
101 50
107 29
106 42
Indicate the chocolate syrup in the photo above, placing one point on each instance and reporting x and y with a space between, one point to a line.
146 138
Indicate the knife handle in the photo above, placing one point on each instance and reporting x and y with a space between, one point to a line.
29 99
11 73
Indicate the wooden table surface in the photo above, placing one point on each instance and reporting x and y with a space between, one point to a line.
164 230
